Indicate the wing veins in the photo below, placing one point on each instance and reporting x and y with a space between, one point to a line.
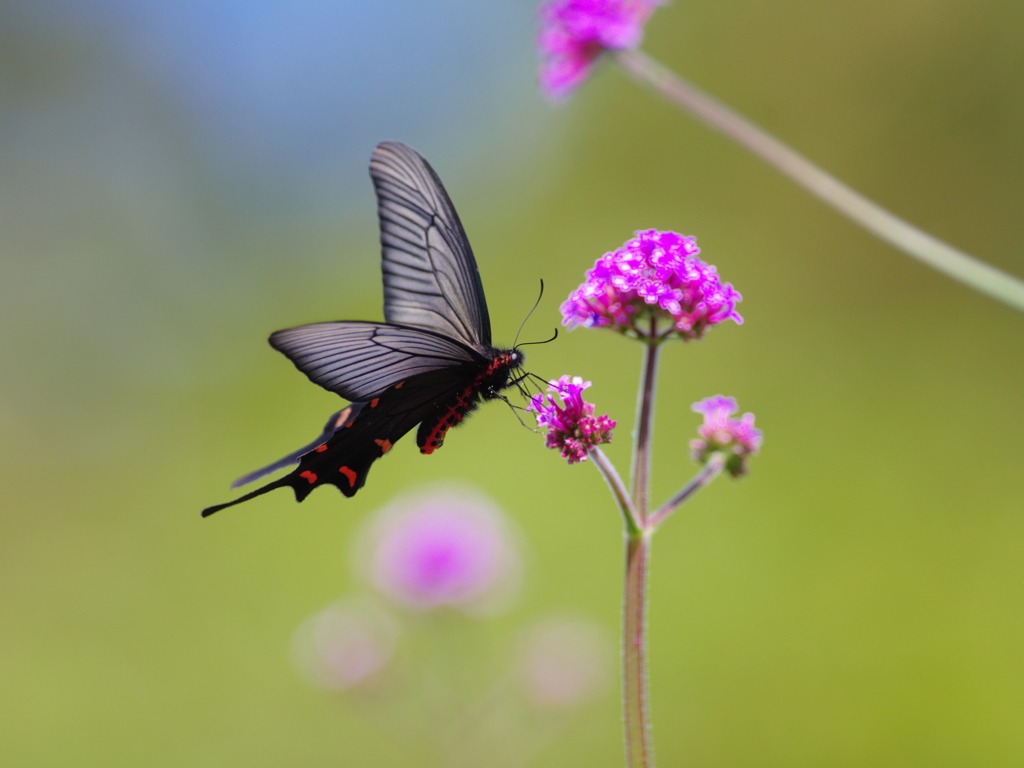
430 275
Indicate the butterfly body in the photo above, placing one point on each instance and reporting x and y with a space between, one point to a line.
486 385
430 364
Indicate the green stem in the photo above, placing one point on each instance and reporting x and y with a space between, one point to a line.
618 489
710 471
645 427
908 238
636 713
635 708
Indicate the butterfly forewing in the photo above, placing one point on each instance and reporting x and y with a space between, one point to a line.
360 360
430 276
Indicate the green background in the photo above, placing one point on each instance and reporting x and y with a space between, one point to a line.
857 600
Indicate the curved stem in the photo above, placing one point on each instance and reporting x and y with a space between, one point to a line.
710 471
636 714
618 489
880 222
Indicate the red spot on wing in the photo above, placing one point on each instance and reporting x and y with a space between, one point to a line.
399 385
350 475
321 448
309 476
385 445
373 403
345 413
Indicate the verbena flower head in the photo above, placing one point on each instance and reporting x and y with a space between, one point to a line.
572 427
447 547
574 32
656 274
736 439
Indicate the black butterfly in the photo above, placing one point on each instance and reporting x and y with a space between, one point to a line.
430 363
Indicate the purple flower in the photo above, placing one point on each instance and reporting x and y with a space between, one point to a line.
565 662
654 275
446 547
735 438
574 32
572 427
344 645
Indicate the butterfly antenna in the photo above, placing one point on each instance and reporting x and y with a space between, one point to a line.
528 343
535 305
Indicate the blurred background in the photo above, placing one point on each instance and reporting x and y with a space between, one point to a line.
177 180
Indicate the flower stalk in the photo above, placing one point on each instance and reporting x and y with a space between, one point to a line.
652 289
847 201
636 711
635 706
632 523
712 470
645 425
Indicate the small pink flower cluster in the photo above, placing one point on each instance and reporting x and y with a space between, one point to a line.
574 32
735 438
572 428
656 273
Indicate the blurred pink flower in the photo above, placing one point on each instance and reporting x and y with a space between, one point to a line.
572 427
345 644
574 32
735 438
654 274
446 547
565 662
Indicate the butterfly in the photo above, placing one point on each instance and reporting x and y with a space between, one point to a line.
430 363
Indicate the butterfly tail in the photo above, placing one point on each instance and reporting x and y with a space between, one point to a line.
287 480
336 421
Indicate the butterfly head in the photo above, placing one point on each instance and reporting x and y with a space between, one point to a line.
500 373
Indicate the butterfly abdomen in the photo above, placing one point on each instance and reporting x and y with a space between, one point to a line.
450 413
432 432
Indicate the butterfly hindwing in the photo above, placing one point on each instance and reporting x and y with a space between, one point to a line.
430 275
336 421
344 458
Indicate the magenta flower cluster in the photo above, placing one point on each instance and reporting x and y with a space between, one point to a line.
736 439
655 274
572 427
574 32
